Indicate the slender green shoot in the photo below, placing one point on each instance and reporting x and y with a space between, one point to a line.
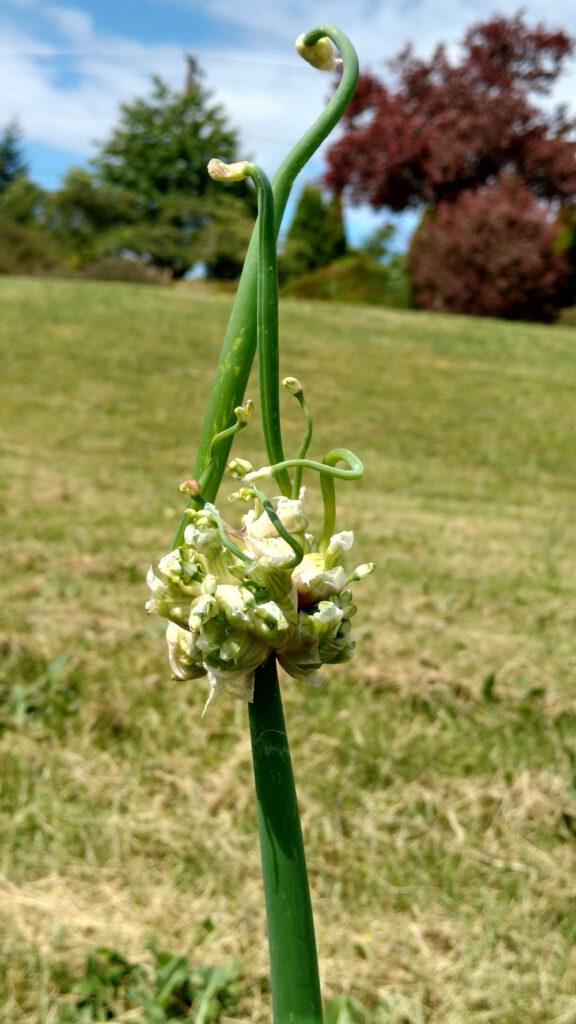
267 324
253 324
239 345
293 385
296 997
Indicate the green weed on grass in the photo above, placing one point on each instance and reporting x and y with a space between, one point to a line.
436 775
167 989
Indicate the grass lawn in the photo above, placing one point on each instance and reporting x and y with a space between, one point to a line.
436 774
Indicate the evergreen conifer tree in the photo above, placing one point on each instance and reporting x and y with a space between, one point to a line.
316 235
12 162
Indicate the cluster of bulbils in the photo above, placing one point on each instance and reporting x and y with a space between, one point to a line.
234 597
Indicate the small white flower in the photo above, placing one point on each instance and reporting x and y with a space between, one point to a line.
261 539
269 551
182 653
340 544
314 583
323 620
233 600
243 413
290 513
269 620
203 609
167 599
202 532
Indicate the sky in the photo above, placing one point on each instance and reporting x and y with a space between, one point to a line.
66 67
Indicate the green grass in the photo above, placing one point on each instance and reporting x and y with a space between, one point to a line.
436 774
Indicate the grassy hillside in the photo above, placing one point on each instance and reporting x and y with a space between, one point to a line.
437 773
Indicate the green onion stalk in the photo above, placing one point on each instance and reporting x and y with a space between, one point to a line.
240 600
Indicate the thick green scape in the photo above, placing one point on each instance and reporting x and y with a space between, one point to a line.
436 774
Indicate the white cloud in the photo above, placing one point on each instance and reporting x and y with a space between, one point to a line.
65 97
66 92
75 25
64 78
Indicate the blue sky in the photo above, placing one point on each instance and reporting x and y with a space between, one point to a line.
65 67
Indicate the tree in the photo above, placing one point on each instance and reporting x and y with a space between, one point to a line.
22 201
152 171
442 128
491 252
25 249
316 235
377 245
12 162
83 216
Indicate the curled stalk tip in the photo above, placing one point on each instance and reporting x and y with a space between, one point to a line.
239 467
220 171
292 385
244 412
192 487
321 55
243 494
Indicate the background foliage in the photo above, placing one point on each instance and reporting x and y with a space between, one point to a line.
315 237
442 130
491 252
471 141
436 774
148 193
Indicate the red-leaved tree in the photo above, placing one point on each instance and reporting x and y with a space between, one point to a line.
491 252
441 128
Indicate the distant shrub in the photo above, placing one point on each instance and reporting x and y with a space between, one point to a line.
568 317
25 250
119 268
356 278
315 237
490 253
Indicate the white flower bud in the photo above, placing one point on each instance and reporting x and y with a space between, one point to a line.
321 56
340 544
239 468
190 487
220 171
293 385
269 620
244 412
362 571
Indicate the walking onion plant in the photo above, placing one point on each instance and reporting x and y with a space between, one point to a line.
240 599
